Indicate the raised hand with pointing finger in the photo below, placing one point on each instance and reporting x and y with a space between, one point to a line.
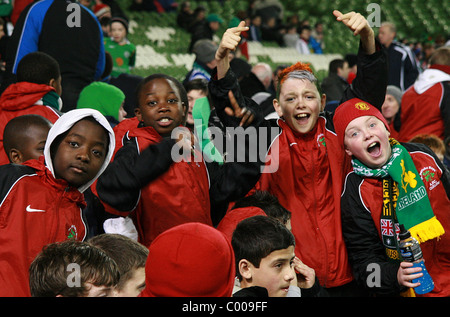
360 26
229 42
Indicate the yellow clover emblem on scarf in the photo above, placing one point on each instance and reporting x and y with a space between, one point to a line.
408 178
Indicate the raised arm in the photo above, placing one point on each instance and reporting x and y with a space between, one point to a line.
229 42
372 74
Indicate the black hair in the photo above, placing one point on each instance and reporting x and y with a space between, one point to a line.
335 64
38 68
178 84
16 128
256 237
197 84
268 203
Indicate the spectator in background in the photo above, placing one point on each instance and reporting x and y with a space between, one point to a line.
205 30
271 32
269 9
303 44
185 15
426 104
205 61
427 50
334 85
291 37
255 28
433 142
122 51
317 34
403 69
352 65
391 109
79 51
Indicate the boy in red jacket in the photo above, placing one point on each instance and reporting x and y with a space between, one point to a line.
37 91
150 183
310 165
42 200
391 184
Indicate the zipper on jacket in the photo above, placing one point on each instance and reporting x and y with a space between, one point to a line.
319 231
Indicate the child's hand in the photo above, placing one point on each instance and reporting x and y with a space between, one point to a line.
354 21
306 276
359 25
238 112
230 40
185 140
406 273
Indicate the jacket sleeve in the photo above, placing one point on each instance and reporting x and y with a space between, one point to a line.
445 109
371 78
10 174
219 89
365 249
120 184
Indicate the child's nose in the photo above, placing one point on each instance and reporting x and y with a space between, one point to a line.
83 154
290 274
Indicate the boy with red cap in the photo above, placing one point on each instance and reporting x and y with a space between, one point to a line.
310 164
392 184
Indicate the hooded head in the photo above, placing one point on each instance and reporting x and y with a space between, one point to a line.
190 260
234 216
103 97
350 110
64 124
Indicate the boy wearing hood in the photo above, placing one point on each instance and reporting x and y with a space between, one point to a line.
37 91
42 200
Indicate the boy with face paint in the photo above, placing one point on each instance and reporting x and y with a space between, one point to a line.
310 165
392 184
42 200
147 179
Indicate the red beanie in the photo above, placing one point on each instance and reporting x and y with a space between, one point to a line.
350 110
190 260
234 216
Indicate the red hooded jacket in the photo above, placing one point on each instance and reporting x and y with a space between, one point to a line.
20 99
25 212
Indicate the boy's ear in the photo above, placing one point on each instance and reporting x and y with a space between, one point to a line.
15 156
348 152
137 113
323 101
245 269
277 107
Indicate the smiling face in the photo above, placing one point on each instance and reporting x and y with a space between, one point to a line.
275 272
160 106
367 139
81 153
299 104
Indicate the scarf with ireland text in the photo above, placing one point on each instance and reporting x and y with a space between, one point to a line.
412 208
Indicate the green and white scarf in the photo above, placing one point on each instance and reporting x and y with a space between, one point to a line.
413 208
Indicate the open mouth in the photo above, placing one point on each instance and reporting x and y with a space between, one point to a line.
302 118
374 149
165 121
